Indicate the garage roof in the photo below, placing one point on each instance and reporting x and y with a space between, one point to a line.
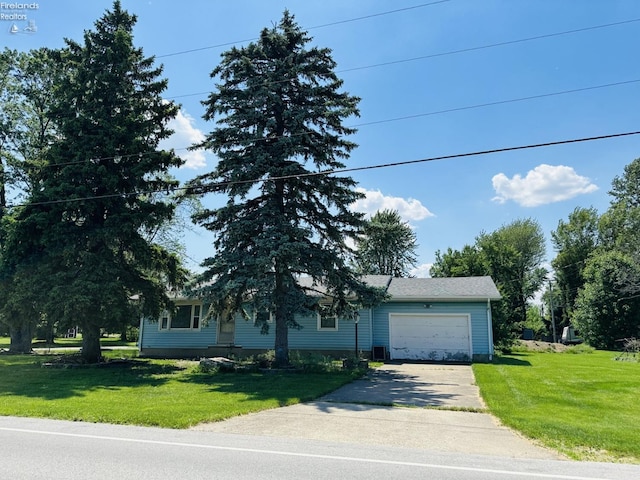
450 288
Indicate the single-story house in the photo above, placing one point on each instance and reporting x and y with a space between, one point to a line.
438 319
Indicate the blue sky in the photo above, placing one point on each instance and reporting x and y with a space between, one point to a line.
447 202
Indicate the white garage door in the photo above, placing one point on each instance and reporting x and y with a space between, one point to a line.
430 337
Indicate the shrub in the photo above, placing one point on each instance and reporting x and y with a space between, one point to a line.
578 349
630 350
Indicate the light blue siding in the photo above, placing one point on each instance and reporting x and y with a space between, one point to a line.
153 337
373 330
309 337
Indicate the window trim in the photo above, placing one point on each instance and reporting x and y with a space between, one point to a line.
165 319
327 329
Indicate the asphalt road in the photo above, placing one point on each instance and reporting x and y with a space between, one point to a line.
37 448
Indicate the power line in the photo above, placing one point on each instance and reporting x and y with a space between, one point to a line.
200 189
389 120
491 45
498 102
339 22
444 54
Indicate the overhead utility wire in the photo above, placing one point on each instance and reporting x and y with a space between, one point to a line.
444 54
339 22
202 189
491 45
396 119
498 102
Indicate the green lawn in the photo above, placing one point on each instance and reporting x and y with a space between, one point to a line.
164 393
109 341
586 406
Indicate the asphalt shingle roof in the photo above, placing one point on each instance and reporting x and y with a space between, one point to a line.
450 288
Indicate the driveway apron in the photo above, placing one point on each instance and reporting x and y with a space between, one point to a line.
394 405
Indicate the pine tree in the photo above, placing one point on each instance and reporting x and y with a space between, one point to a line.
279 113
79 238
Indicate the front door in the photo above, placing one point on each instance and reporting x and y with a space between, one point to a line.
226 330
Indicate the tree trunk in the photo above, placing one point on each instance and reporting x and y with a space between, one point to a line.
282 341
91 352
282 328
123 334
20 338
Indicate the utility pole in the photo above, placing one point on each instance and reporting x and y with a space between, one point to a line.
553 319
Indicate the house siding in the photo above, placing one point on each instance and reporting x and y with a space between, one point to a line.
452 296
248 337
309 337
153 337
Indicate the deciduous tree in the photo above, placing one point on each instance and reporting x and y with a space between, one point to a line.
514 254
26 131
604 313
387 246
574 241
467 262
620 224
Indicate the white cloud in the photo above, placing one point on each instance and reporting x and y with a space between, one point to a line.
184 135
421 271
542 185
409 209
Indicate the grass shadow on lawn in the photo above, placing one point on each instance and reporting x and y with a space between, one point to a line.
31 379
514 359
286 388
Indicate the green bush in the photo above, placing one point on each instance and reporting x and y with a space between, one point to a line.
578 349
314 363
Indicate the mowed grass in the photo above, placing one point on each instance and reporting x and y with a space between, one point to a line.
108 341
586 406
163 393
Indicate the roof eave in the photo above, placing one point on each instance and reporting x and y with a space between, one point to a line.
442 299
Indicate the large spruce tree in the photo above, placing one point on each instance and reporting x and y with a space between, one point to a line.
77 248
279 118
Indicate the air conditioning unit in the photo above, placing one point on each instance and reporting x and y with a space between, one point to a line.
379 353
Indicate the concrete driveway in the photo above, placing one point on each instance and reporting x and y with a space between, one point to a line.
375 410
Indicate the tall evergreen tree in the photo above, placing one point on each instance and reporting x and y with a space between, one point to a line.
80 234
387 246
279 113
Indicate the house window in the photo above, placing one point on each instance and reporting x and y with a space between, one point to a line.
262 317
186 317
327 322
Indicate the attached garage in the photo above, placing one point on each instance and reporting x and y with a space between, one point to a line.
437 337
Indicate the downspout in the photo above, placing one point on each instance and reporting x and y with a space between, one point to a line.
371 330
490 329
140 332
